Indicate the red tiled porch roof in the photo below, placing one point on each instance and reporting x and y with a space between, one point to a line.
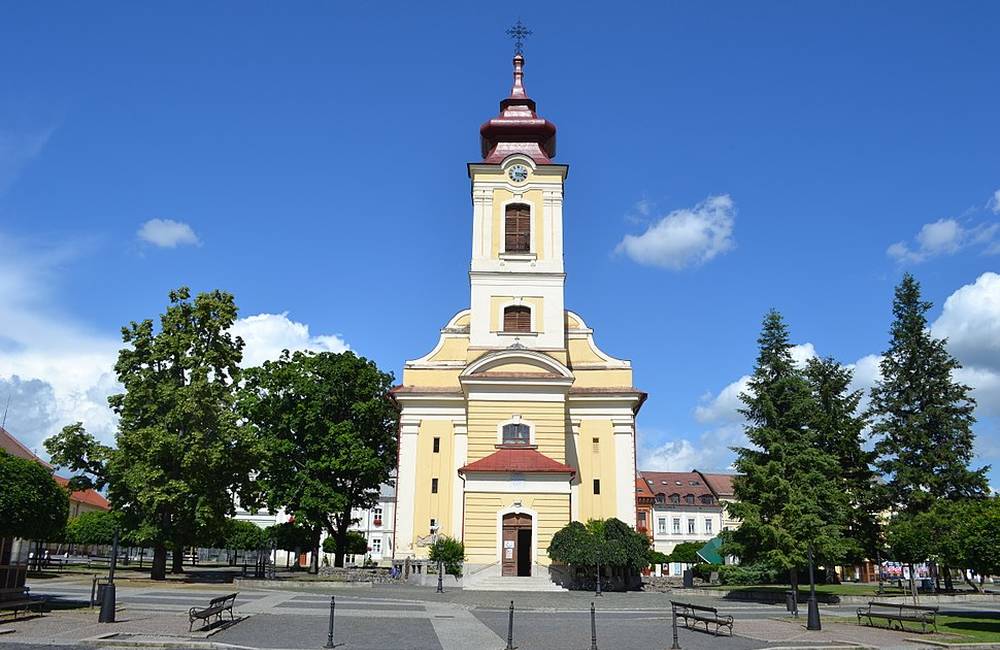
510 459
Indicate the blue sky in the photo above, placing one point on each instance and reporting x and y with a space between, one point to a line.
310 158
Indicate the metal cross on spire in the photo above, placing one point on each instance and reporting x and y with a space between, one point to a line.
518 32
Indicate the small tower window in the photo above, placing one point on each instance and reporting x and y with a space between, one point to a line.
597 486
517 318
517 229
516 434
437 445
434 486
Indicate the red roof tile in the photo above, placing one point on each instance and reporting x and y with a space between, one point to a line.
90 497
668 483
642 489
722 484
510 459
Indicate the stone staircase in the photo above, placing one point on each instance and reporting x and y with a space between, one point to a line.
499 583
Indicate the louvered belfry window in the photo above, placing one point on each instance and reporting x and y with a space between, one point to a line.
517 229
517 318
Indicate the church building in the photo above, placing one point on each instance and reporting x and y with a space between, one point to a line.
516 423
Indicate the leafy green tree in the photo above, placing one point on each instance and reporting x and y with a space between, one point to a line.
32 505
289 536
839 429
96 527
601 542
357 544
573 545
241 535
788 492
910 539
450 552
180 451
979 535
922 417
686 553
327 437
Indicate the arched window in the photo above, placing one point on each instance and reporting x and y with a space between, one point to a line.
517 229
689 499
661 499
517 318
516 434
675 498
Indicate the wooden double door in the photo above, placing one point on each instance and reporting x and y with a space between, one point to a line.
516 544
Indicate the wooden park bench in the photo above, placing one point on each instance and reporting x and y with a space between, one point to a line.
694 614
900 613
215 608
22 602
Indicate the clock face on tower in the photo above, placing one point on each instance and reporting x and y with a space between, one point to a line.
518 173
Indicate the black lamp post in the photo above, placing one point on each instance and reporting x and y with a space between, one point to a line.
812 622
598 592
107 614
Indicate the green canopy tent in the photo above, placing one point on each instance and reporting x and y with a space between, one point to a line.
710 551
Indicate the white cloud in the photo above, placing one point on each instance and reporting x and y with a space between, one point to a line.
17 149
709 452
970 320
724 406
996 202
56 370
266 335
685 237
945 237
167 233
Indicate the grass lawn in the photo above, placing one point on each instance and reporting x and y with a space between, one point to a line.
983 628
846 589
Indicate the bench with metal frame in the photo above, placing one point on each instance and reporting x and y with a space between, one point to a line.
900 613
216 607
694 614
23 603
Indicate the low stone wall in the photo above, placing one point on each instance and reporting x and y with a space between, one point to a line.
376 575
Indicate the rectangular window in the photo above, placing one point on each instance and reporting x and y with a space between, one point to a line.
434 486
437 445
661 526
516 434
517 229
691 527
434 525
677 526
597 445
597 486
708 526
517 318
377 546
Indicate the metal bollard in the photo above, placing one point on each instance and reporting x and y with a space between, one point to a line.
510 629
329 635
593 628
673 617
93 591
598 592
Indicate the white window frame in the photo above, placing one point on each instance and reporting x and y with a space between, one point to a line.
516 419
532 252
709 526
677 525
692 526
518 302
661 526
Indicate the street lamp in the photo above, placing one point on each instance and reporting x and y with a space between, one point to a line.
812 622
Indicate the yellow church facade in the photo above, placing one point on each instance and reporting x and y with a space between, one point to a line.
516 423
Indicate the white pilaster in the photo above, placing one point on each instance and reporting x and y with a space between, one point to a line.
406 486
461 453
625 469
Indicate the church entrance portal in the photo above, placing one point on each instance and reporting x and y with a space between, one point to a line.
515 551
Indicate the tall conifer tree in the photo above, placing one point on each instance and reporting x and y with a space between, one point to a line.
788 492
839 430
922 417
